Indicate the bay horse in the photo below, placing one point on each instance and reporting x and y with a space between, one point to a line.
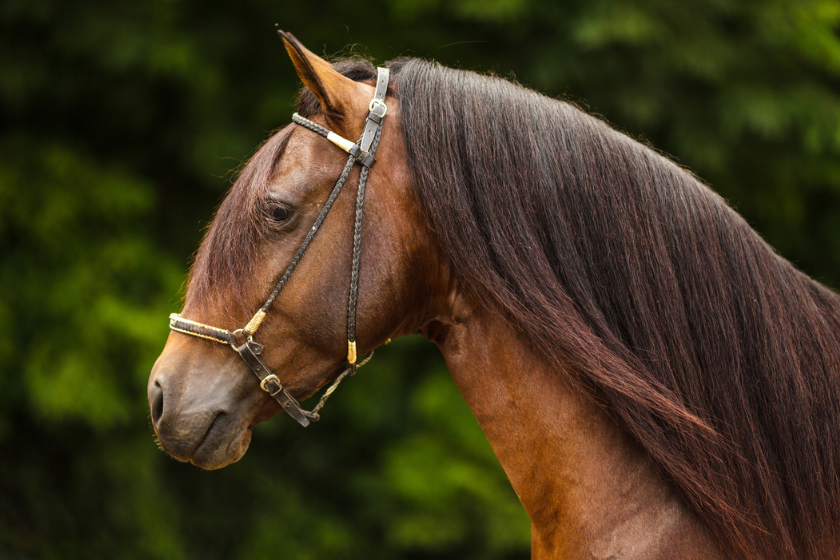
655 380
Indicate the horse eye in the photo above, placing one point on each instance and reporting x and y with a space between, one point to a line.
279 213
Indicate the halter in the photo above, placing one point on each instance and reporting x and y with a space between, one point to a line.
242 340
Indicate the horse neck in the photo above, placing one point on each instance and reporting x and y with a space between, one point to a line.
589 489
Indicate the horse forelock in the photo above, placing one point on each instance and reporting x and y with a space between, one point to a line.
718 356
226 260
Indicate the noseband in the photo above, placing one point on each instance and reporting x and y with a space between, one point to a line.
242 340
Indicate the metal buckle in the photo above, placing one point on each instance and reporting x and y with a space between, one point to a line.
377 103
268 378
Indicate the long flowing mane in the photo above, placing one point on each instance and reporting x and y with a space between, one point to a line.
717 355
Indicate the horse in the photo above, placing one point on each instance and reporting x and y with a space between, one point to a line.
654 379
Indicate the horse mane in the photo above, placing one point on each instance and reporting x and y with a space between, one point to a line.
718 356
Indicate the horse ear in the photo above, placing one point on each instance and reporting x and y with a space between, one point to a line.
335 92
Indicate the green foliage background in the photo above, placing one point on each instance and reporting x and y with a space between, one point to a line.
120 123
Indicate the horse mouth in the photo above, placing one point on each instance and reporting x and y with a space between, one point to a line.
224 443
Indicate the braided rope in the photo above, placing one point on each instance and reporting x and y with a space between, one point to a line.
357 244
349 371
312 231
314 127
194 328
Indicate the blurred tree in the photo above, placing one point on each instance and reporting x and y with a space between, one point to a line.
120 123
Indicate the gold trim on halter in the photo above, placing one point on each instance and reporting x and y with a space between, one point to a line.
351 351
254 323
340 141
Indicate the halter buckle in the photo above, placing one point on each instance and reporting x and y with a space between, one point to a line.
267 379
374 103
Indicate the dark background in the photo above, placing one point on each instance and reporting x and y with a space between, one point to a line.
122 124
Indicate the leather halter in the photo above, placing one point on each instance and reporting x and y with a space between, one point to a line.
242 340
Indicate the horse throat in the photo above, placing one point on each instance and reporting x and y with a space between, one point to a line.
589 489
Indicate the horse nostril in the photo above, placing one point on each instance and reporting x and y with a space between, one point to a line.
156 401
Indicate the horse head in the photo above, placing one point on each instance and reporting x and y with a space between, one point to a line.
204 398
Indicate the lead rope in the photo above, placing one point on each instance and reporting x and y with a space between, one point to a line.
331 389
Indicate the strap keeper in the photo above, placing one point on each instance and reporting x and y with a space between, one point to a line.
361 156
368 160
254 323
374 117
351 351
